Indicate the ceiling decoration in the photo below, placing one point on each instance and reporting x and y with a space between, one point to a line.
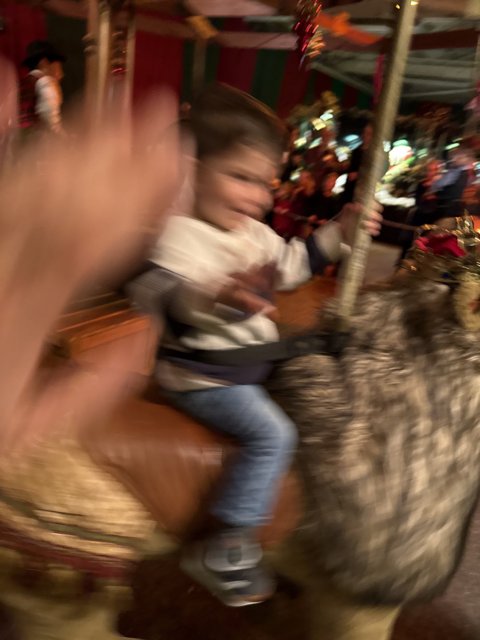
441 64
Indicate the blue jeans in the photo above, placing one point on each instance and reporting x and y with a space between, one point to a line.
267 440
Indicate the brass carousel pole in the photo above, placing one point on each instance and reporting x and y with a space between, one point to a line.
91 59
98 53
199 63
104 48
374 165
204 32
130 51
123 58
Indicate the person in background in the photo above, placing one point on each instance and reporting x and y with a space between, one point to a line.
293 135
294 164
283 219
426 203
356 162
40 91
426 192
450 186
305 202
327 203
326 139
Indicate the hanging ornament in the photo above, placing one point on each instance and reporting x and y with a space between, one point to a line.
310 41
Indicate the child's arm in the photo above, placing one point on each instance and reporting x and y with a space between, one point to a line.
297 261
153 289
156 290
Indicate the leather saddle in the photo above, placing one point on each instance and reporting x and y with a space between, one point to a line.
173 465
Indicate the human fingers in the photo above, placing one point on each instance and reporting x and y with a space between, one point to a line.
73 396
237 295
93 199
8 106
252 303
258 278
79 215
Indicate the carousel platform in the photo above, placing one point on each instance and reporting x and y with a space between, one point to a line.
169 606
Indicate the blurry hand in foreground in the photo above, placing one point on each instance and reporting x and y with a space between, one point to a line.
69 214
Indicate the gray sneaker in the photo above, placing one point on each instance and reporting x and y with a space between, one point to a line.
229 565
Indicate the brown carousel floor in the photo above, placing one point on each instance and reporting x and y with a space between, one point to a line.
169 606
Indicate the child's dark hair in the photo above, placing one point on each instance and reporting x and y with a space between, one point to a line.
223 117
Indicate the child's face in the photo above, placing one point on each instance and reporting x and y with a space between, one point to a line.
234 186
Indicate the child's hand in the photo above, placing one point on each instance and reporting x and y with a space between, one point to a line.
348 220
246 291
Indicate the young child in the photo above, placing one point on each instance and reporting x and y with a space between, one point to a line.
228 264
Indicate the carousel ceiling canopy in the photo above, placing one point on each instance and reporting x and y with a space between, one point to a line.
360 10
237 8
442 63
442 58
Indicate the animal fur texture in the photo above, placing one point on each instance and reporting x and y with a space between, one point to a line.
389 445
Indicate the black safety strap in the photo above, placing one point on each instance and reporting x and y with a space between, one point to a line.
301 345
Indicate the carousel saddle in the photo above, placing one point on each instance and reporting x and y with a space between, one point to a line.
173 465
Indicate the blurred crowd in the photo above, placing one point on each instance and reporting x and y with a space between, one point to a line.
314 184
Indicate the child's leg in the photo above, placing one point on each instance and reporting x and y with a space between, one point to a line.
267 437
228 563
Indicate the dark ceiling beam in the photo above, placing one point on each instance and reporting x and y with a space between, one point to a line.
469 8
232 8
67 8
382 8
161 27
348 79
253 40
459 39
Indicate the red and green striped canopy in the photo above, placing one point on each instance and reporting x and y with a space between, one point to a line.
275 77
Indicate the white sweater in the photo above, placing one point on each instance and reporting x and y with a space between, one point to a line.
205 256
